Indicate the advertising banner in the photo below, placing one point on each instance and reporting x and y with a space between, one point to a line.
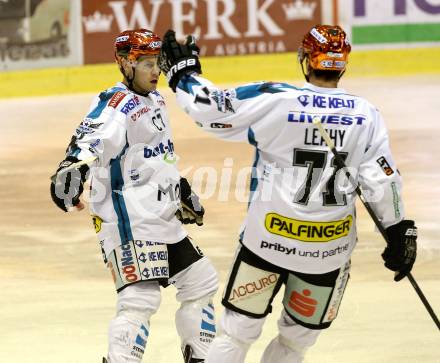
39 34
375 22
222 27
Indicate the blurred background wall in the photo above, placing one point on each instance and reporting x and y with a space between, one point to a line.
48 33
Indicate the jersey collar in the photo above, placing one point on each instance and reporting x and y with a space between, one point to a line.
317 89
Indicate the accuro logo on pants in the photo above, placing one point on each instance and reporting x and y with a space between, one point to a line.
242 291
307 231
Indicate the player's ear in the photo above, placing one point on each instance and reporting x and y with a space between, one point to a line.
127 67
308 67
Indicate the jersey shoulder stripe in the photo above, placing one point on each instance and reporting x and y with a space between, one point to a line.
257 89
111 97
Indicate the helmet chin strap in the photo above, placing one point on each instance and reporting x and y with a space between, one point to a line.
306 76
341 74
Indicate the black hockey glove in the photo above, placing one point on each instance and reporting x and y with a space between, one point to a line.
400 253
191 210
66 187
178 59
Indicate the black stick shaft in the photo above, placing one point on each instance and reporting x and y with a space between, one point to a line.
340 162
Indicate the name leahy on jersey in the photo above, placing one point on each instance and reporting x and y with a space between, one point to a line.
301 214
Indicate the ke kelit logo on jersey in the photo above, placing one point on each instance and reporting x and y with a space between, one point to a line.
331 102
304 100
116 99
130 105
325 101
139 113
257 286
385 166
307 231
153 259
127 263
156 272
160 149
97 223
337 119
207 327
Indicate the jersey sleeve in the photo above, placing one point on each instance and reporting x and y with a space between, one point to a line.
379 176
229 113
102 133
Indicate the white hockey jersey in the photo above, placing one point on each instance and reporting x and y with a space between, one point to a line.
135 181
301 213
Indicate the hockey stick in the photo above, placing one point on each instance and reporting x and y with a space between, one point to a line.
341 164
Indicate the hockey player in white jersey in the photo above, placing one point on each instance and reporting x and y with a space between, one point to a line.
300 228
138 202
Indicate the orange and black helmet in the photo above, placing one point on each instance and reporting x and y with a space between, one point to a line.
326 47
131 44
